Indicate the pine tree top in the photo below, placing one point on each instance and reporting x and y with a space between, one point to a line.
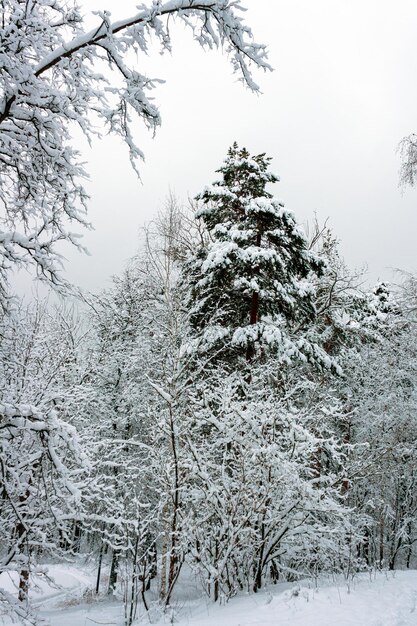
243 177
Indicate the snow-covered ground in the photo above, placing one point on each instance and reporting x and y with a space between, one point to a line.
384 599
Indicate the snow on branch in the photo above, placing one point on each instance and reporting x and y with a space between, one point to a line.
408 154
50 80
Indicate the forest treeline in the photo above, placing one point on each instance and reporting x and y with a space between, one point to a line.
236 403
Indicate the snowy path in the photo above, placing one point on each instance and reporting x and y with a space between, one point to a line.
69 583
72 583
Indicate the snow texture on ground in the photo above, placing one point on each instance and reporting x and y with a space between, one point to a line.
384 599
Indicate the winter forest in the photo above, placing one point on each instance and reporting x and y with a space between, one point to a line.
237 410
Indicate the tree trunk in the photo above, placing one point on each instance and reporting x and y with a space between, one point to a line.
113 571
21 532
100 560
410 546
366 540
23 584
381 541
76 539
164 554
174 565
254 308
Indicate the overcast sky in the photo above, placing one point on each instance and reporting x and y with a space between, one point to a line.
343 94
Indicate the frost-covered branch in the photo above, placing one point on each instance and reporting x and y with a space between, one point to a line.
408 153
51 80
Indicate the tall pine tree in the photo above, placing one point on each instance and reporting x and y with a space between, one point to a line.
251 284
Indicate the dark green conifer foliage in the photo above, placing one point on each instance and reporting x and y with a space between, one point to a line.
251 284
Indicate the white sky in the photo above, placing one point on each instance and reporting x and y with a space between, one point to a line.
343 94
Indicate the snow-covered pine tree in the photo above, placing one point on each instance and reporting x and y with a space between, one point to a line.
252 281
251 298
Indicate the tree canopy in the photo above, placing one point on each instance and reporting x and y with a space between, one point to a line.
53 77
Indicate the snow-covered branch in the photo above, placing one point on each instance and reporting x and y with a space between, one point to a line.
51 80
